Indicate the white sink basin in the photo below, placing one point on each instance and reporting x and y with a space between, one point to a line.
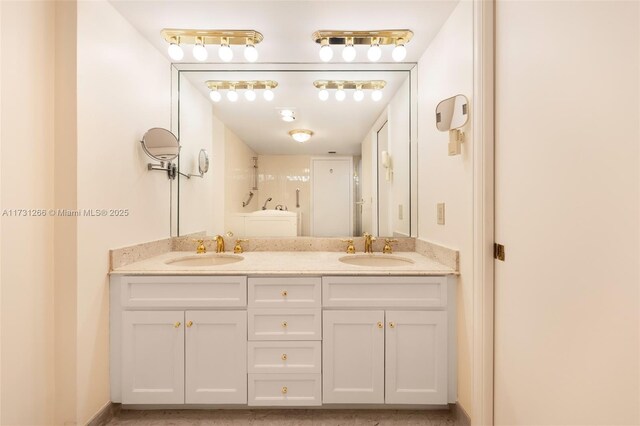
205 260
376 260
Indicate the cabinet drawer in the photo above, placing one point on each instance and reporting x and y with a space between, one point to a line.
284 357
183 291
284 389
285 292
285 324
388 291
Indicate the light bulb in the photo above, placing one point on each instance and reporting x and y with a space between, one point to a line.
326 53
225 53
215 95
376 95
250 52
200 52
268 95
358 95
374 53
399 53
323 94
250 95
349 53
232 95
340 95
175 52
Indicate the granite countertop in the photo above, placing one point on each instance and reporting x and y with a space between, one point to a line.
286 263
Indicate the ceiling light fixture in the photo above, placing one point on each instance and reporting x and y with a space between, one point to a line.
373 39
359 86
202 38
232 86
301 135
287 115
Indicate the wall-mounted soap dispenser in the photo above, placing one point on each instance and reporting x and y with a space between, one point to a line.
451 115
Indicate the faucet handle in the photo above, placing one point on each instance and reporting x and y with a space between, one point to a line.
201 247
238 248
351 249
387 245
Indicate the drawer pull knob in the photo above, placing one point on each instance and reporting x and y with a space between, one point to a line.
284 390
284 324
177 324
284 357
284 293
189 324
380 325
392 325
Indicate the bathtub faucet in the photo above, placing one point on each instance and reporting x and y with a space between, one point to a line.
264 207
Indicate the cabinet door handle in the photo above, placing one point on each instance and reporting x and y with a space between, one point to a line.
190 323
284 293
380 325
284 357
284 390
284 324
392 325
177 324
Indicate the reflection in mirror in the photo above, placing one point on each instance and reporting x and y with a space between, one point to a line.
203 162
160 144
452 113
350 176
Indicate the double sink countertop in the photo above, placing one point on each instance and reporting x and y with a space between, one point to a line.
289 263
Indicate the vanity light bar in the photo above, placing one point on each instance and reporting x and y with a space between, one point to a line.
346 84
202 38
231 37
248 86
374 39
241 84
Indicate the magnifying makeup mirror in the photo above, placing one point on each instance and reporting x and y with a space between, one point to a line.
163 146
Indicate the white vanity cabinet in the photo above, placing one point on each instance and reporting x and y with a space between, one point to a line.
178 340
396 353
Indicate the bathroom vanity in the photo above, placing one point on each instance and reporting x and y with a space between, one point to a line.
283 329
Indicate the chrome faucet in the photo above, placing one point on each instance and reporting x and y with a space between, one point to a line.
264 207
219 244
368 242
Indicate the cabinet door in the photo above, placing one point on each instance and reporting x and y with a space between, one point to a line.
416 357
152 357
216 357
353 357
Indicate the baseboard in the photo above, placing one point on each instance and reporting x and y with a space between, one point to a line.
461 416
104 415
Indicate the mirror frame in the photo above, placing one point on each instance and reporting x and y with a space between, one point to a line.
410 67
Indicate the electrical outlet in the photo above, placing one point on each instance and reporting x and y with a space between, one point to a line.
440 213
400 212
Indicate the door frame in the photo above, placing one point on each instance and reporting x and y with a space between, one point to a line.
483 211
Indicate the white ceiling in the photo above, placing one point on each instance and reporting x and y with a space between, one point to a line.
287 26
337 126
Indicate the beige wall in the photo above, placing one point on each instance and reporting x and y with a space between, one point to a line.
123 90
237 179
567 210
278 178
27 173
198 198
445 70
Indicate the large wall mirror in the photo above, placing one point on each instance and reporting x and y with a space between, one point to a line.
347 171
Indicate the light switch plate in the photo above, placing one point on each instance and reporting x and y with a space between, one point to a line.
400 212
440 213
